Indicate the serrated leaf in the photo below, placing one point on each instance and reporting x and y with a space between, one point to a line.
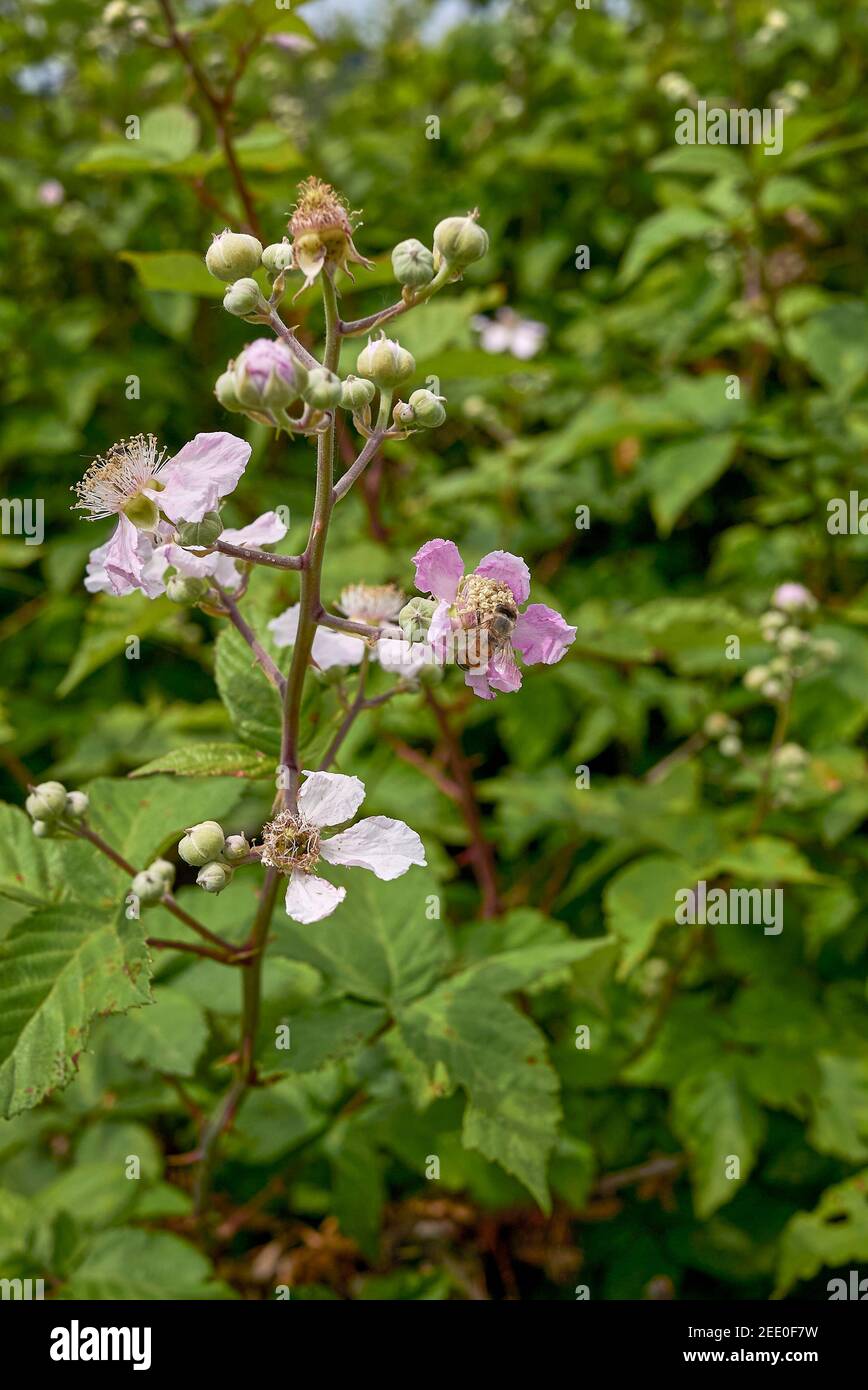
679 473
139 819
59 968
766 859
252 703
498 1057
835 1234
210 760
325 1033
717 1120
840 1108
40 873
169 1036
379 945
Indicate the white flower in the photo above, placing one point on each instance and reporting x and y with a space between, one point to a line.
508 332
363 603
293 844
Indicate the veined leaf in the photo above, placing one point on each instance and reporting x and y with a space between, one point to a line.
210 760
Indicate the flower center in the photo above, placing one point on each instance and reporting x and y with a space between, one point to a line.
290 843
114 484
481 598
371 603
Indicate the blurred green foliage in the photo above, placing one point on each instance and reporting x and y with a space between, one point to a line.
704 264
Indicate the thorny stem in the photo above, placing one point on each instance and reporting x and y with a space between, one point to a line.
356 469
394 311
85 833
163 943
241 625
220 104
254 556
306 358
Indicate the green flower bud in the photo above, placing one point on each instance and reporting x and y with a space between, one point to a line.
414 618
385 362
77 804
323 389
278 257
148 886
236 848
165 870
204 532
356 393
181 589
459 241
214 877
427 408
47 801
243 298
413 264
202 843
224 390
233 254
403 415
45 829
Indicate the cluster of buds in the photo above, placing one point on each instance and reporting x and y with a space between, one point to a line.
719 728
49 804
789 765
786 626
153 883
205 847
457 243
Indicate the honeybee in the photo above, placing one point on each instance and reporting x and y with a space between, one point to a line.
488 638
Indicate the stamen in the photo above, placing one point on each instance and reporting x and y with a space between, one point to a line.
113 482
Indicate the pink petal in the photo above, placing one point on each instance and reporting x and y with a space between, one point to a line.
479 685
205 470
265 530
310 898
542 635
507 569
387 847
330 798
439 569
440 633
97 580
503 673
124 556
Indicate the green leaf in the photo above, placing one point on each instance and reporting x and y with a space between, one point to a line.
252 703
109 623
169 1036
835 1234
478 1041
358 1187
168 135
380 945
325 1033
139 819
132 1264
678 473
180 272
210 760
834 343
767 859
840 1108
717 1120
59 968
659 234
639 900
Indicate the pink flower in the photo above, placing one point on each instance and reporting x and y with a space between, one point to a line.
478 617
143 488
793 598
293 843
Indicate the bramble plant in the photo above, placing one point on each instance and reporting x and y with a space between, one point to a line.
169 539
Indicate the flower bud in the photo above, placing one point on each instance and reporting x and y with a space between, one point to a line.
756 677
793 598
45 829
791 755
791 638
183 589
214 877
77 804
718 724
243 298
266 376
414 618
772 690
459 241
323 389
403 415
413 264
47 801
278 257
224 390
164 869
385 362
201 533
730 745
148 886
235 848
233 254
427 408
202 843
356 393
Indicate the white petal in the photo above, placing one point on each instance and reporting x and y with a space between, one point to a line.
284 627
310 898
265 530
336 649
330 798
387 847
